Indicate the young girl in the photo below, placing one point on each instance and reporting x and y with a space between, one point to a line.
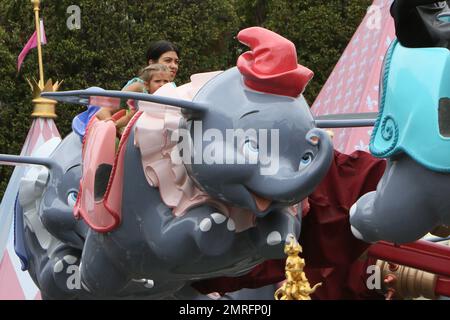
150 79
159 52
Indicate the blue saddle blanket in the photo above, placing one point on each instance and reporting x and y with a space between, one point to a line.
80 122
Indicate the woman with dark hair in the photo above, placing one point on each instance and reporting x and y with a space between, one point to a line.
164 52
159 52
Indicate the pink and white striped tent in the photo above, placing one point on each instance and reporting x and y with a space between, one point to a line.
14 283
353 85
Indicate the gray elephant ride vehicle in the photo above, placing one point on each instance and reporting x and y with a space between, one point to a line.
206 182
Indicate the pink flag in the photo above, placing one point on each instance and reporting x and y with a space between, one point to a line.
32 43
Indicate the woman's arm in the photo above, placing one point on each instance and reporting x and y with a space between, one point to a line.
123 121
135 87
104 114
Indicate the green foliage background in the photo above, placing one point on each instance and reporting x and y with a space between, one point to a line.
110 47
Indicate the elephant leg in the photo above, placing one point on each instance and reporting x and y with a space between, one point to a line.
60 278
106 267
272 232
202 231
102 275
362 216
56 270
400 210
214 233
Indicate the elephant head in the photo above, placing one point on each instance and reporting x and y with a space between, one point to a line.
259 146
48 193
58 200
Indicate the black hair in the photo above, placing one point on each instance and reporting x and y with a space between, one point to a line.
158 48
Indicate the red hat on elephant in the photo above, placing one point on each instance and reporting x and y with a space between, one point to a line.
271 66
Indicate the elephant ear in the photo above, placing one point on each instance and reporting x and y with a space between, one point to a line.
114 99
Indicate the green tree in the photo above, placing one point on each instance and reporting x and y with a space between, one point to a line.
320 29
15 106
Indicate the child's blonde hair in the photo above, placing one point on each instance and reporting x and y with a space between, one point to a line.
147 73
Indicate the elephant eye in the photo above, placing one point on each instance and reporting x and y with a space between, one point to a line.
251 145
72 198
306 160
251 149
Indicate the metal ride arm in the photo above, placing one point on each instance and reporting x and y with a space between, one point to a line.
346 120
426 270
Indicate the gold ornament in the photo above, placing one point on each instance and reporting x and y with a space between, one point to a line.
43 108
296 286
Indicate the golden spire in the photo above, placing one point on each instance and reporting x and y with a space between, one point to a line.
296 286
36 4
43 108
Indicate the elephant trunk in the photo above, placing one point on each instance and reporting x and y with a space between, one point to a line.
297 185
